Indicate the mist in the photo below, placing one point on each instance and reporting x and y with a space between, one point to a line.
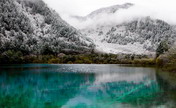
123 15
164 10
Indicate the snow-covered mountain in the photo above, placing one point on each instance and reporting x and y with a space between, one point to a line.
139 35
109 10
31 27
102 11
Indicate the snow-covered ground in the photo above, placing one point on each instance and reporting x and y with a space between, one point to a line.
112 33
105 47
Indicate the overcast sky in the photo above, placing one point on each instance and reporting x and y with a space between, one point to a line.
84 7
157 9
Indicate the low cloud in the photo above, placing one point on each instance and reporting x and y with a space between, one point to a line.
126 15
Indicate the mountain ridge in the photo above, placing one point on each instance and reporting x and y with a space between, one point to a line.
111 9
104 10
31 27
141 35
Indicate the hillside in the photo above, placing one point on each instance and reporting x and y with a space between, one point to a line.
140 35
31 27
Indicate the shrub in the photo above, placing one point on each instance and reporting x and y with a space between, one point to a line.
54 61
144 61
162 48
168 60
11 56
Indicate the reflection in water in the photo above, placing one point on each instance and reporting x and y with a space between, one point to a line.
84 86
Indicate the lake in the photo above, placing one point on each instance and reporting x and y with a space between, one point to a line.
85 86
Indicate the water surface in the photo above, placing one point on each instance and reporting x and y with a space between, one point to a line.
85 86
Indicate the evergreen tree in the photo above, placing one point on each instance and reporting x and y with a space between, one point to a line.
162 48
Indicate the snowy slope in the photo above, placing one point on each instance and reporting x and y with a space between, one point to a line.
31 27
140 35
109 10
102 11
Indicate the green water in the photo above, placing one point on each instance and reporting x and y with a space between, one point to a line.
85 86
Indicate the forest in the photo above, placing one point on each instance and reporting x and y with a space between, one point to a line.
30 32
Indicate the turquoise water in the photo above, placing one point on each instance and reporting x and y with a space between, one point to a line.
85 86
